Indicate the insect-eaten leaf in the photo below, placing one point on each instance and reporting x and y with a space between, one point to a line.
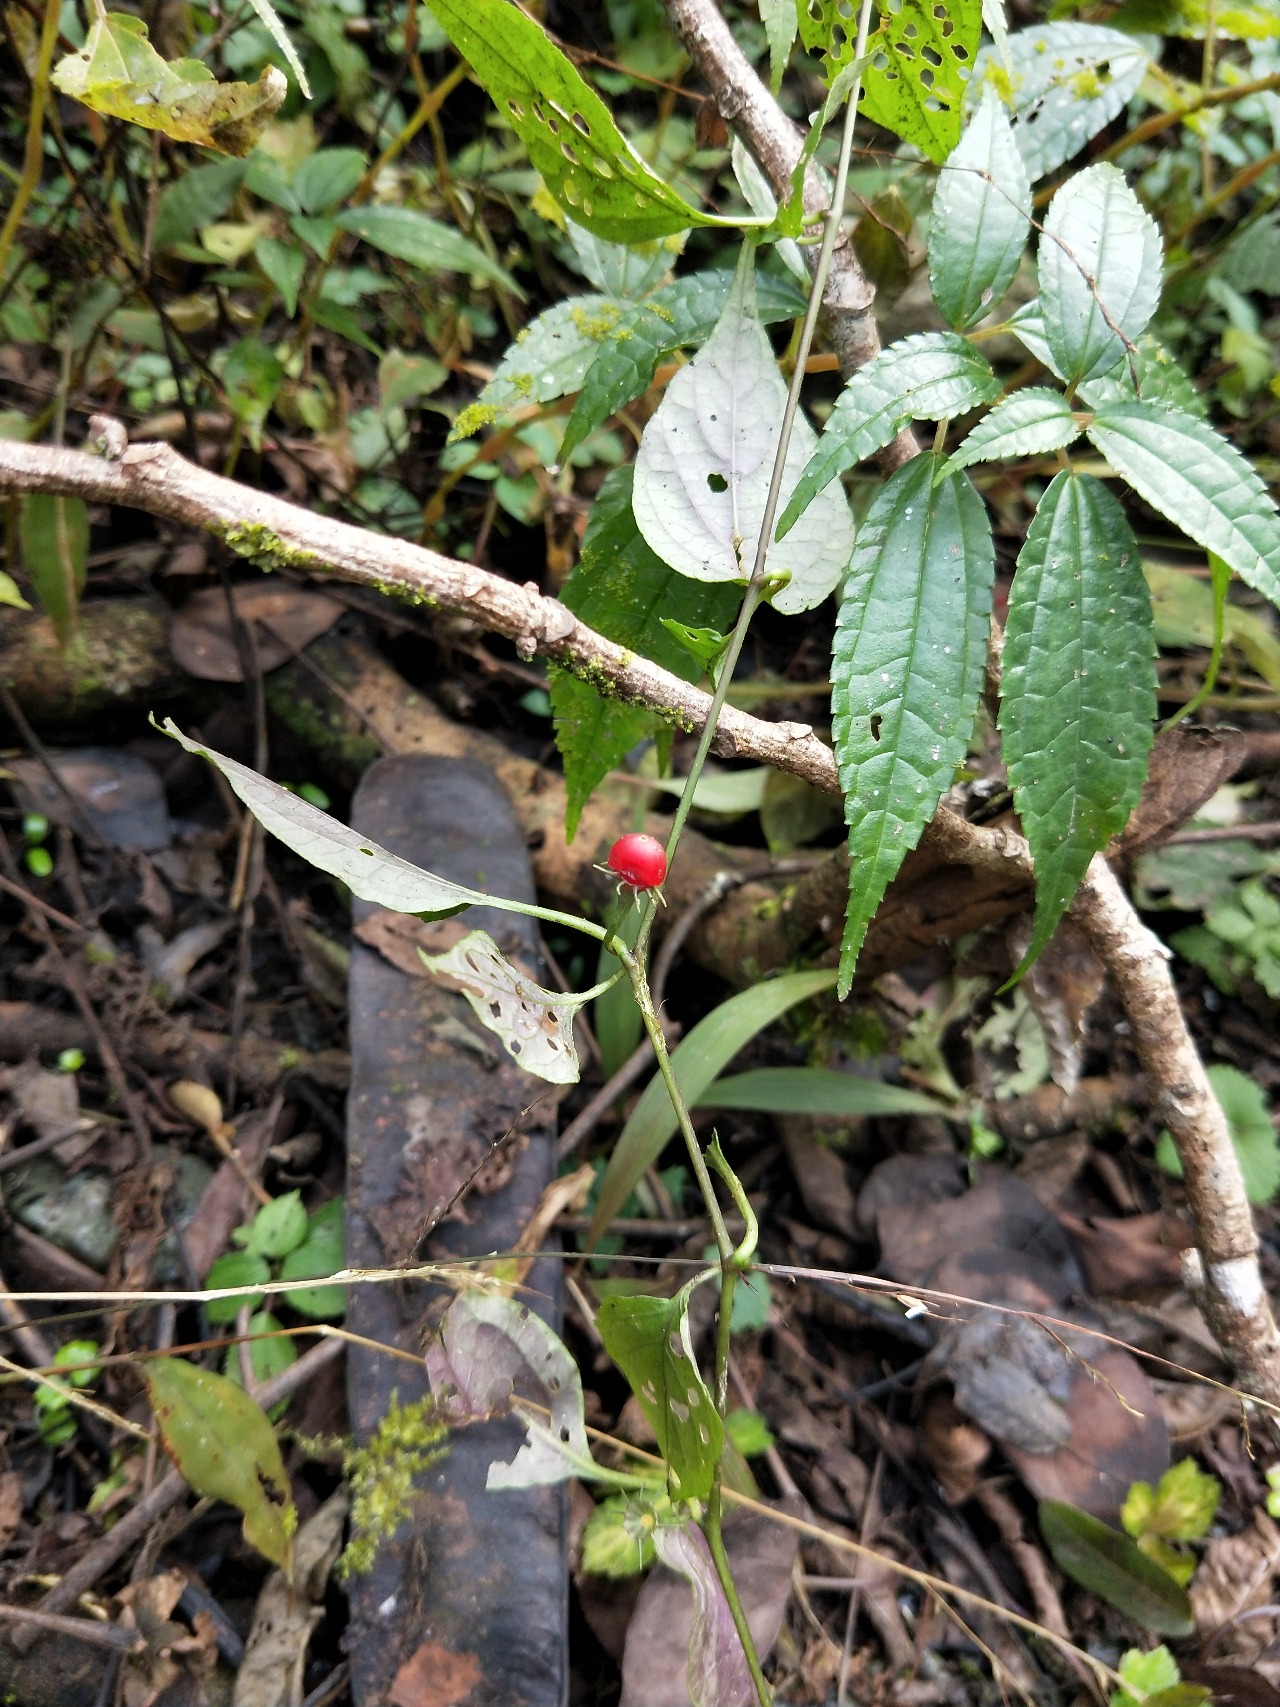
648 1338
705 461
1111 1565
226 1449
535 1025
490 1352
55 549
119 73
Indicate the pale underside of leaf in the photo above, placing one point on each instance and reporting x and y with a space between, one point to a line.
718 1674
535 1025
907 671
1079 687
1100 272
550 358
1202 484
980 218
926 377
705 461
1028 423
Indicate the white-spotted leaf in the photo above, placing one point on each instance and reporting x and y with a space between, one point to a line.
648 1338
929 376
980 219
1100 272
703 469
1079 689
1182 468
535 1025
1029 423
909 655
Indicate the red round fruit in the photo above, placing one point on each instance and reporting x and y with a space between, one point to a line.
640 861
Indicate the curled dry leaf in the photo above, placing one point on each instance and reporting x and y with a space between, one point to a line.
287 1613
282 621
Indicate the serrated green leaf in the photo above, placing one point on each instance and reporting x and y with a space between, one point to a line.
424 242
706 459
225 1448
1029 423
585 161
920 57
910 650
780 23
55 549
697 1060
1100 272
1191 475
818 1091
1179 1508
548 360
1110 1564
681 313
929 376
1064 82
649 1340
1079 691
619 587
1160 380
980 219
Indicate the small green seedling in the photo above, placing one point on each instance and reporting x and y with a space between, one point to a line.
1180 1507
283 1243
55 1416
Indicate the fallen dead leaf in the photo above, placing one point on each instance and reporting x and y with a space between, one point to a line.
286 1614
403 939
1236 1574
283 620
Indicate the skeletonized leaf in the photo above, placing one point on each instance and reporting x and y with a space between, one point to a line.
535 1025
548 360
221 1441
718 1674
980 219
926 377
909 654
1029 423
1100 272
697 1060
648 1338
585 161
622 589
1182 468
705 461
1064 82
1079 690
424 242
55 549
680 313
368 870
490 1350
118 72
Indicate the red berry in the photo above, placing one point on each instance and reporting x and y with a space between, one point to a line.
640 861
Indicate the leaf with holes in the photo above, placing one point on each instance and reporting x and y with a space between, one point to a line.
119 72
549 359
1079 690
490 1352
980 218
623 589
535 1025
697 1061
681 313
1029 423
1202 484
368 870
1064 82
706 459
1100 270
909 655
929 376
648 1338
585 161
55 549
226 1449
920 56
